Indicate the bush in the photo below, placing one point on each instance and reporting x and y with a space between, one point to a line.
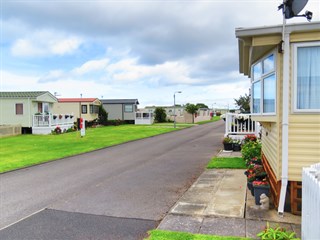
57 130
102 116
70 130
115 122
250 150
160 115
249 138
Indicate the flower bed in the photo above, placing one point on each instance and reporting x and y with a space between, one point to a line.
256 175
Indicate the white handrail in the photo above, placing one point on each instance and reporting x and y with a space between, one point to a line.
240 125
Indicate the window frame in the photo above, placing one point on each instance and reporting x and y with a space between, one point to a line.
126 111
294 104
84 107
261 79
94 109
15 106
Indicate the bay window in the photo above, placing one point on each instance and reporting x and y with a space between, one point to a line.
263 96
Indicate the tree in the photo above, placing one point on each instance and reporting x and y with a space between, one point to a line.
192 109
102 116
201 105
244 103
160 115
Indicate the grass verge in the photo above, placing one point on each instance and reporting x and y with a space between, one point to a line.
26 150
169 235
213 119
232 163
171 125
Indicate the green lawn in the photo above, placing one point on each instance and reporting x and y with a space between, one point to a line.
213 119
235 163
178 125
169 235
26 150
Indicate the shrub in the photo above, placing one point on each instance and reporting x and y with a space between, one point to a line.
102 116
114 122
251 150
249 138
70 130
160 115
57 130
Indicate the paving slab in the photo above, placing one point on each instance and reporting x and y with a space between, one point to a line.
224 226
297 229
195 197
218 203
224 210
189 208
224 153
180 223
215 193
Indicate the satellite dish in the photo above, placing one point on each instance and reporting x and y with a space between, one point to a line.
293 7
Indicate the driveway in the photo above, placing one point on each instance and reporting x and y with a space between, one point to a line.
118 192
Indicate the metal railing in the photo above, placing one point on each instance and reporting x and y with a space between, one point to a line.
310 221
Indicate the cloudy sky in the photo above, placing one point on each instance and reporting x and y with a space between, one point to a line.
141 49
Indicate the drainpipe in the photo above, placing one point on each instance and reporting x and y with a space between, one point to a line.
285 117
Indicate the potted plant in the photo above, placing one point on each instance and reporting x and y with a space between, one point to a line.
236 145
260 187
250 178
228 144
66 116
60 116
54 116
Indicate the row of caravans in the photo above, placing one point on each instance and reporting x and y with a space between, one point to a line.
41 111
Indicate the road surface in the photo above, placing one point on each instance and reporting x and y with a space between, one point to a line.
119 192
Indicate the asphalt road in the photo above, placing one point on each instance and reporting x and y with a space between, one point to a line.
119 192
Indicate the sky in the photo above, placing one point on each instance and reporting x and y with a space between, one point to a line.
144 49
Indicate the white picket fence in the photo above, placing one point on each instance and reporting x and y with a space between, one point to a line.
310 222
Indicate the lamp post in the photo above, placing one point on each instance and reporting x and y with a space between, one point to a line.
174 108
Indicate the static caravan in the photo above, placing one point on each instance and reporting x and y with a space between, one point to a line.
87 108
121 109
284 70
22 107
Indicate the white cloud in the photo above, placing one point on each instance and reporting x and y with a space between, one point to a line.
43 43
143 49
64 46
90 66
126 71
18 82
